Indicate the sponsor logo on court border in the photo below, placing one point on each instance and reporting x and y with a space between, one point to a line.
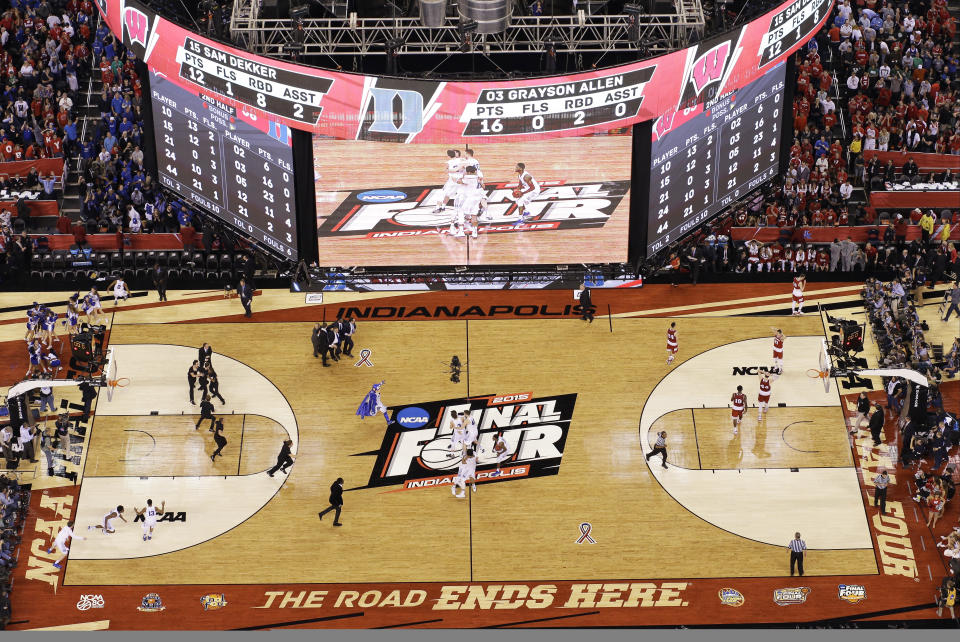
794 595
381 196
731 597
853 593
415 451
151 602
213 601
92 601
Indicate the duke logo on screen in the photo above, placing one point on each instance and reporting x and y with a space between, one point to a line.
416 449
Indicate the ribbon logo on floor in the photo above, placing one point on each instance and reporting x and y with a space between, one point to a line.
417 451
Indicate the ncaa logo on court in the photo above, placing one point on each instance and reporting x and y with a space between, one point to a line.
381 196
412 417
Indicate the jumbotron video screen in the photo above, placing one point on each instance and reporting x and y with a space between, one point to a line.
377 202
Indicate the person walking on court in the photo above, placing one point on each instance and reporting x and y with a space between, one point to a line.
206 411
246 297
333 341
954 298
213 385
159 276
284 460
586 305
336 501
660 448
192 375
346 328
863 410
205 355
876 423
880 483
797 546
318 344
218 438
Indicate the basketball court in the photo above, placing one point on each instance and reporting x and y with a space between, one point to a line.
580 520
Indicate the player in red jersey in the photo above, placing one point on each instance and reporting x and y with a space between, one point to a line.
799 285
778 351
763 399
739 401
672 344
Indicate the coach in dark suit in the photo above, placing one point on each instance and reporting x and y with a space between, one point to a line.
336 501
876 423
159 280
205 355
346 328
586 304
246 297
284 460
333 341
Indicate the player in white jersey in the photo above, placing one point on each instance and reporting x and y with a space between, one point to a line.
500 451
472 431
60 543
120 290
94 311
149 517
107 523
527 189
459 434
466 472
468 203
454 173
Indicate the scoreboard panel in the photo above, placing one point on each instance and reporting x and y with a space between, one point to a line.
237 167
705 158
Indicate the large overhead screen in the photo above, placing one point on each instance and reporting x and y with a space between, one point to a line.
354 106
233 164
706 157
376 202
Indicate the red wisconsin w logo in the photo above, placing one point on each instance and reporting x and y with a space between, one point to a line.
138 24
709 67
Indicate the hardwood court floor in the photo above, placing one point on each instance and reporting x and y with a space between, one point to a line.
522 530
343 166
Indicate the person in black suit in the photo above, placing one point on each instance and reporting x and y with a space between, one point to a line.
245 292
159 276
333 341
218 437
203 379
876 423
586 304
213 385
284 460
346 328
205 355
192 375
336 501
206 411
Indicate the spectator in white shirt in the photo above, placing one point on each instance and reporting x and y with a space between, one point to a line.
135 223
884 71
853 82
846 190
104 155
909 23
845 30
827 105
53 20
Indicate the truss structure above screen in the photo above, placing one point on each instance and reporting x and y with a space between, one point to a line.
526 34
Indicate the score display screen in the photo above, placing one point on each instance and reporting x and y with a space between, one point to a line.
705 158
236 166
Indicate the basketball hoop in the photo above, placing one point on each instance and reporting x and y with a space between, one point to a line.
123 382
813 373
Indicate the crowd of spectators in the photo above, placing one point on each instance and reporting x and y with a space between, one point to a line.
882 75
13 508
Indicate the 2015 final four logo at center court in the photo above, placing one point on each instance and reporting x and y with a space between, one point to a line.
416 452
408 211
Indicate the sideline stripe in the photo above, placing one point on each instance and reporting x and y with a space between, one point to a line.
260 627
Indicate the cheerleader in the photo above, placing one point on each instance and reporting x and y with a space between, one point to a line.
120 290
35 351
50 362
73 315
32 324
93 299
49 327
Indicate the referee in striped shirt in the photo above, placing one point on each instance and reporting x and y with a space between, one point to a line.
660 448
880 493
797 546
